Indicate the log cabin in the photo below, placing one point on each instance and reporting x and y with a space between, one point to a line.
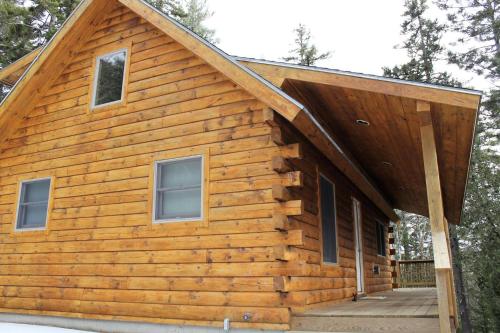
148 177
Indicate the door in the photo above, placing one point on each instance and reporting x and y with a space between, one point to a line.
358 243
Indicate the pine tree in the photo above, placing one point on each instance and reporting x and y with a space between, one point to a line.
305 53
196 13
27 25
172 8
477 21
191 13
423 46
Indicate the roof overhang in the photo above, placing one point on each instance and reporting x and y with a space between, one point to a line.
389 149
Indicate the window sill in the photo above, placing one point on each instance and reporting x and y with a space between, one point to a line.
28 232
159 225
107 107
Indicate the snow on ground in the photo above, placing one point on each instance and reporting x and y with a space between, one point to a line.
21 328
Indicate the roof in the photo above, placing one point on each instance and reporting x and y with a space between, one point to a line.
385 157
389 149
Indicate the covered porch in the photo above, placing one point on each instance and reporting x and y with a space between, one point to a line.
408 310
405 145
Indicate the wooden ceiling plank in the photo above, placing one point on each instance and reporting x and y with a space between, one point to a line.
306 126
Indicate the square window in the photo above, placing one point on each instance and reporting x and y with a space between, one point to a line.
178 189
109 78
33 204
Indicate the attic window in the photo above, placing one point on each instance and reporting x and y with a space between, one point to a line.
109 78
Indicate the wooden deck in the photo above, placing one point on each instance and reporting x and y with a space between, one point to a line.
408 310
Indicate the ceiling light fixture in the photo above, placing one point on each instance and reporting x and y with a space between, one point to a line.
362 122
388 164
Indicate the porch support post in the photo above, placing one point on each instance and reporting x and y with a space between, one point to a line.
451 291
440 244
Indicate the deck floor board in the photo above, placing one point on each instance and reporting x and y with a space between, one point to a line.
405 303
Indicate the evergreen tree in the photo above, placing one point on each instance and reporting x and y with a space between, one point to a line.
196 12
27 25
172 8
478 22
423 46
191 13
305 53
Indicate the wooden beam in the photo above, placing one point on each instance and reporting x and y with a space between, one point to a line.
433 185
281 193
246 79
280 164
276 72
436 215
451 290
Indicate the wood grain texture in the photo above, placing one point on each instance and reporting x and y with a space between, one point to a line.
316 282
101 256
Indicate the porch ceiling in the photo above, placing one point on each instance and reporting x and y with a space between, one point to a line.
389 148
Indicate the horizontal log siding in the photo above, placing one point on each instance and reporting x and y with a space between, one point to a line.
101 257
329 283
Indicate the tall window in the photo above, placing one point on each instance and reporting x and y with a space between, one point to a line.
178 189
33 204
109 77
328 220
380 238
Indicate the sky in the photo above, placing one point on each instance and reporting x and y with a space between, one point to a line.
361 34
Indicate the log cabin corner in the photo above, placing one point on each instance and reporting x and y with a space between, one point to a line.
148 177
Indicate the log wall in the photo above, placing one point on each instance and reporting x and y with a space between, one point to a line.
254 258
100 256
319 282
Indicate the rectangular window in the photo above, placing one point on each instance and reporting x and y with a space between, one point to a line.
109 78
33 204
380 238
328 220
178 189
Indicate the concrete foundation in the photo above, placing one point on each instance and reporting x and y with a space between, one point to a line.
108 326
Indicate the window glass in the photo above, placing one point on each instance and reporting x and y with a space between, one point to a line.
328 225
109 81
380 239
33 204
179 189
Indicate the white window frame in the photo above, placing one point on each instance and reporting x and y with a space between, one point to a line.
18 209
96 77
202 191
336 262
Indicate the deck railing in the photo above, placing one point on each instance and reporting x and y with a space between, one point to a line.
415 274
